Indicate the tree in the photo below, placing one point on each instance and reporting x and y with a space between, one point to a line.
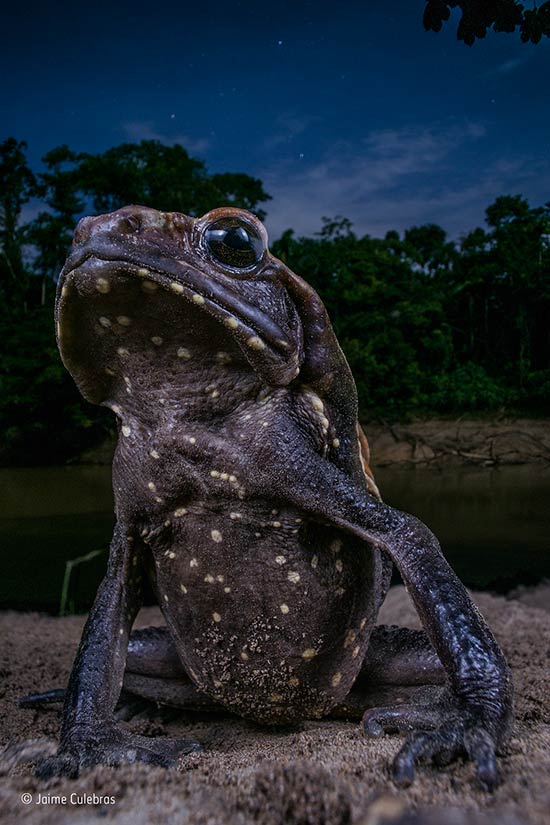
51 232
163 177
17 184
480 15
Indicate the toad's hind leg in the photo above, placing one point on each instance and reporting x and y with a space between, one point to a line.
397 688
154 672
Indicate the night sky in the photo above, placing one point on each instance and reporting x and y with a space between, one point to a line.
340 108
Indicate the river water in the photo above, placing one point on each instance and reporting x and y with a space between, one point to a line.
494 526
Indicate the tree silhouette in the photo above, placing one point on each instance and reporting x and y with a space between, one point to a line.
480 15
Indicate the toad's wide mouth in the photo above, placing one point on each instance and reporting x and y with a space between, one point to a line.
97 295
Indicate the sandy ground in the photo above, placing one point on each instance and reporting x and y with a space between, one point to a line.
318 772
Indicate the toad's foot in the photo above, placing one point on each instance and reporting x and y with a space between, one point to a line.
441 733
112 745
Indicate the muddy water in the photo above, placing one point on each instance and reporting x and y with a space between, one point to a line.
494 526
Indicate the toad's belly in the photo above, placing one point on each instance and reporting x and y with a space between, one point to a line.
271 617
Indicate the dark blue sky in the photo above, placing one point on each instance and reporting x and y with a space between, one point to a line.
340 108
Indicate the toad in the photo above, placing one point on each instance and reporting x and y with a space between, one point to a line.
243 491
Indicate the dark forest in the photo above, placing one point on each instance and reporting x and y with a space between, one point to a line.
430 325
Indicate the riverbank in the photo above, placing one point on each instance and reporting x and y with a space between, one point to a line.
441 443
317 773
436 443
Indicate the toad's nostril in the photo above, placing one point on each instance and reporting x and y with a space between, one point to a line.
130 224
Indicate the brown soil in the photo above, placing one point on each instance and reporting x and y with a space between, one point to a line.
319 772
441 443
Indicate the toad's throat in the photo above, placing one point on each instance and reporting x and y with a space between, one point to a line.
250 325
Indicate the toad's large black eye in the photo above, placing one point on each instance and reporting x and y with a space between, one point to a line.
234 243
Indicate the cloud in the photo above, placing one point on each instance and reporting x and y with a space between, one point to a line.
509 66
289 125
144 130
396 178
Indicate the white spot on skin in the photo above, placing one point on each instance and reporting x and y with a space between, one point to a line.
293 576
355 652
123 320
314 561
215 473
110 371
235 516
165 598
223 357
152 486
339 565
197 299
324 422
224 476
350 638
149 286
244 655
227 590
105 322
193 563
233 479
116 409
171 555
363 623
181 511
126 431
142 272
154 454
336 679
123 352
177 288
276 523
156 340
316 403
102 285
183 352
309 653
215 394
279 559
216 536
255 343
231 323
183 588
192 440
216 617
285 608
209 578
335 443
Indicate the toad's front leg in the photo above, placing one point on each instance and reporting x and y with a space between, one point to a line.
89 733
477 720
